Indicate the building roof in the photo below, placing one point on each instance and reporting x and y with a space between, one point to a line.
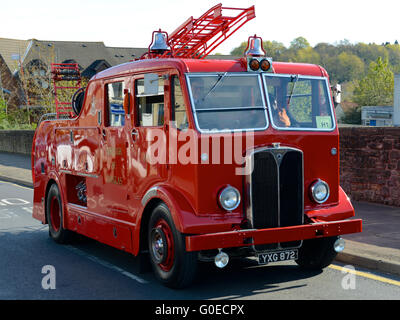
47 51
12 48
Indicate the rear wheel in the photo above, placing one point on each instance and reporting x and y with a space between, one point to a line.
55 216
172 265
316 254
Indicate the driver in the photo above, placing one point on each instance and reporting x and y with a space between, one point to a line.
197 86
281 118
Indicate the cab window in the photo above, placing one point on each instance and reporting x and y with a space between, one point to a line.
299 102
115 99
178 113
150 100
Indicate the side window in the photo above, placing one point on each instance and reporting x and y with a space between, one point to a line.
115 99
150 100
178 114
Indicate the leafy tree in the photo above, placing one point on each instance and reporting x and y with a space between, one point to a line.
393 51
352 116
274 49
370 52
307 55
345 67
238 51
3 113
376 88
299 43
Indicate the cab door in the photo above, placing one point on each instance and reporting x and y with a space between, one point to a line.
149 133
115 138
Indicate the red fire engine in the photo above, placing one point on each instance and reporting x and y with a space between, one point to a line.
183 158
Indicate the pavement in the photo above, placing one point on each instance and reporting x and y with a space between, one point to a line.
377 247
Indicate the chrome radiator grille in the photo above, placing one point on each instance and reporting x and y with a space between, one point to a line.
275 191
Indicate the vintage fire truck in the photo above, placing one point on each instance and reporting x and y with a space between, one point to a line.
185 159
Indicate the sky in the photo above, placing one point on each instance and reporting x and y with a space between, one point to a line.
130 23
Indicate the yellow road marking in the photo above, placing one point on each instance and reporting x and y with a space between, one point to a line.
365 275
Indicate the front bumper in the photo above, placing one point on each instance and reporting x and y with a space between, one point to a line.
250 237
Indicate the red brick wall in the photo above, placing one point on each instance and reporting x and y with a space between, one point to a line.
370 164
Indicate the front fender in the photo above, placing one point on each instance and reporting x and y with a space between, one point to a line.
342 211
184 216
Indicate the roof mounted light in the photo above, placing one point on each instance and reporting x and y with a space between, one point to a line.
265 64
254 64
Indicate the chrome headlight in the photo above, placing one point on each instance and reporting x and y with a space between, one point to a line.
229 198
320 191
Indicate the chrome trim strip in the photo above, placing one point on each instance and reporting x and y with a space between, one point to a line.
66 171
90 175
80 173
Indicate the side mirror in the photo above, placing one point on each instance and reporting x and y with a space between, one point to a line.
127 101
337 92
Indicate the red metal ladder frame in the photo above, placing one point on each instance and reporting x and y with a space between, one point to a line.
197 38
61 73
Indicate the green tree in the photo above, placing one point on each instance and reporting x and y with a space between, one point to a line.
345 67
299 43
3 113
307 55
274 49
239 51
370 52
376 88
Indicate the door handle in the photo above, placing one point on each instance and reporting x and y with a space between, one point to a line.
135 134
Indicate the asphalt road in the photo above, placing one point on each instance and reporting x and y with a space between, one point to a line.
32 266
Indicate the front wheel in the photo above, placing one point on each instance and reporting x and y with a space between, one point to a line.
316 254
172 265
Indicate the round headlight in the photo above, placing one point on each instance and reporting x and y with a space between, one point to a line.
320 191
229 198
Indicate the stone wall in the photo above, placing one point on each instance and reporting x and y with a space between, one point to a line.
370 164
16 141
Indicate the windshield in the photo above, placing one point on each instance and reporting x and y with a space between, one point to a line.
299 102
227 101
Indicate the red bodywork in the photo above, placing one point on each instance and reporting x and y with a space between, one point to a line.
122 187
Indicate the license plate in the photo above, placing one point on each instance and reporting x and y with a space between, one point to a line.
276 256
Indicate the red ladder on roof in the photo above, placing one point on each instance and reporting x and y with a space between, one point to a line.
66 77
197 38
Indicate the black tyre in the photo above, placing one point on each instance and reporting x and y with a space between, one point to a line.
172 265
55 216
316 254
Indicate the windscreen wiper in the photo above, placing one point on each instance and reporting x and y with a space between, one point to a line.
294 78
214 86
